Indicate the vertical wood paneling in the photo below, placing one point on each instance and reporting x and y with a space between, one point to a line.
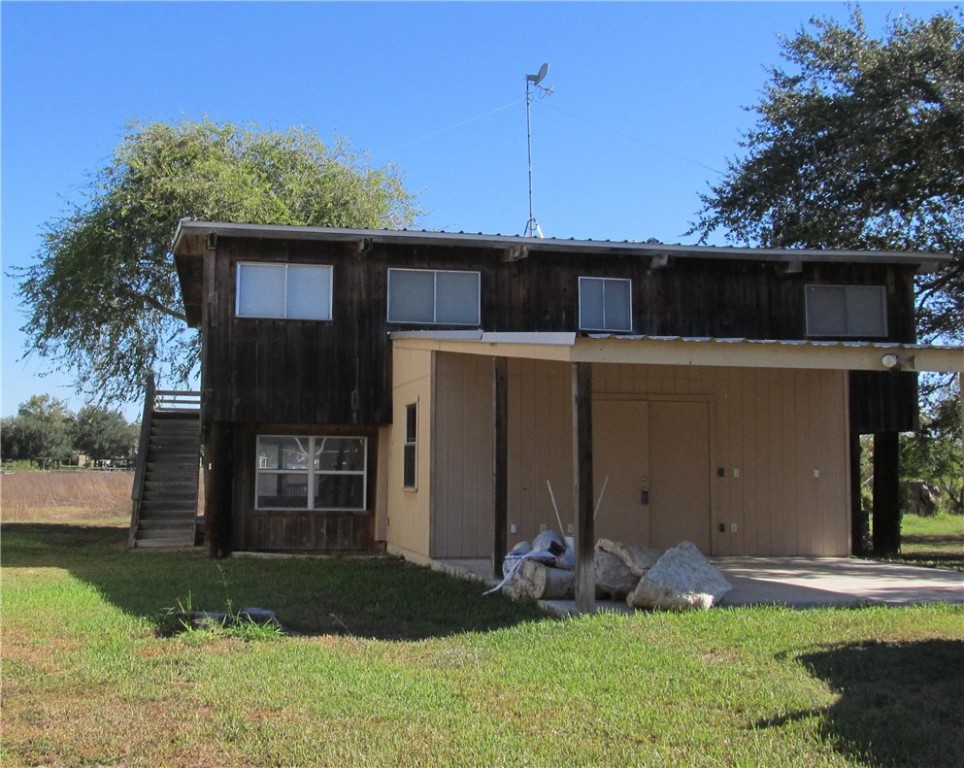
409 512
776 427
462 447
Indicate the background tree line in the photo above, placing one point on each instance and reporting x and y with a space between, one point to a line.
45 427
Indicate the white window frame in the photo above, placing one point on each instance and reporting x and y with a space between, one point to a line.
605 280
287 312
847 289
310 473
477 321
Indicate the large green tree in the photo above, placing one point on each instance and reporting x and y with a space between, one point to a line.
101 295
859 143
43 427
101 433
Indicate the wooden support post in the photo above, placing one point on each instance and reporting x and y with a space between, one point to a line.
886 494
500 462
585 586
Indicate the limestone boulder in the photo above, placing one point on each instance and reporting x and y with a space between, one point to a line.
613 576
637 559
682 578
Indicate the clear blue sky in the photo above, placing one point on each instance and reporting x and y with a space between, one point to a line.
647 105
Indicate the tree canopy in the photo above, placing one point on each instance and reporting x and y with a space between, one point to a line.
101 294
45 427
859 143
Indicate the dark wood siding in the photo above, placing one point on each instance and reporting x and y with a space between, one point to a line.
339 371
883 402
298 530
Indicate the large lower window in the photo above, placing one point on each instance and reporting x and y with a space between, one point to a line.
605 304
316 473
285 291
847 310
434 297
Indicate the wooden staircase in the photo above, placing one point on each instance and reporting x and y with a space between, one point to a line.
165 494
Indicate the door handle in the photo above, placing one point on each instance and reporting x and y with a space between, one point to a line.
644 497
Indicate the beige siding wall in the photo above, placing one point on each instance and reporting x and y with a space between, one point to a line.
407 526
540 447
779 437
462 519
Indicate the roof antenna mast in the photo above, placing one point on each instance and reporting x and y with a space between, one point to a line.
532 227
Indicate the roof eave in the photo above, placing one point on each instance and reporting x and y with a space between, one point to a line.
924 262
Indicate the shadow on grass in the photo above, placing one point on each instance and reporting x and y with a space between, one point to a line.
900 703
381 598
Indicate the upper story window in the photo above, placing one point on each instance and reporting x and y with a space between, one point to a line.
434 297
286 291
846 310
605 304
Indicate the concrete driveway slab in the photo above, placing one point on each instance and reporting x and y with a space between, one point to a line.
796 582
804 582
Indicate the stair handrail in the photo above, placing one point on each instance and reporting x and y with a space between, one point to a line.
137 490
176 400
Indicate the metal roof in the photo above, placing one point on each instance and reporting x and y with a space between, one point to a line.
189 228
759 352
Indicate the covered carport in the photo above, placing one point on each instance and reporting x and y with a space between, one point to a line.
583 352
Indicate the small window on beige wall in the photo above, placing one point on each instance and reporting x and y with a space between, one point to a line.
410 474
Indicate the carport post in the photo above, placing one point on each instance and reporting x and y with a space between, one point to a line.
500 463
582 490
886 533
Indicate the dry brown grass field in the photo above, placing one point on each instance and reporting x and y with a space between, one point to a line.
66 497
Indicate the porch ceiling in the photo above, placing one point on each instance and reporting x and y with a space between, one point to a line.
661 350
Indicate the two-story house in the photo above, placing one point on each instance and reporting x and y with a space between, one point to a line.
425 391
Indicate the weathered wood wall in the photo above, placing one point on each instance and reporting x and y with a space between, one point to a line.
306 371
297 530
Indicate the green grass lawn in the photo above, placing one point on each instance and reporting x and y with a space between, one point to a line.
936 541
389 664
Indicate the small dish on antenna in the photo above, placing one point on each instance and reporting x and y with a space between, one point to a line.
537 78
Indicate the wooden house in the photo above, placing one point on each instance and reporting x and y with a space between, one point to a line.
415 391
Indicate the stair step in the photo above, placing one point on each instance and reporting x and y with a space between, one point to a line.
179 486
153 506
187 447
180 511
183 467
164 543
185 514
183 536
176 528
174 494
